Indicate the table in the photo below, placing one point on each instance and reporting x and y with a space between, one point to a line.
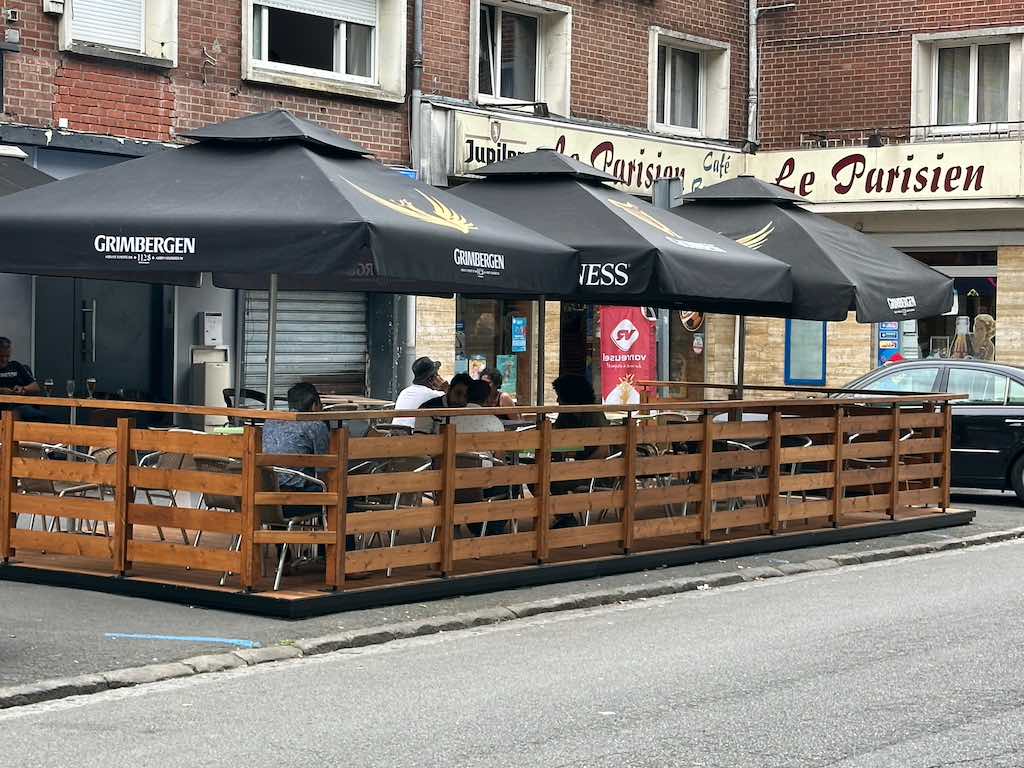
356 400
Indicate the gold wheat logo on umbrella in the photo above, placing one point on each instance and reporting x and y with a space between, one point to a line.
441 216
759 238
644 216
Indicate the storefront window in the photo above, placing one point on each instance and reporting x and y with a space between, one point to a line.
496 334
805 353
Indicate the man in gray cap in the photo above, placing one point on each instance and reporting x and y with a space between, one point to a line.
426 384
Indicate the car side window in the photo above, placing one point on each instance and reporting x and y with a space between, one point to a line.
905 380
1016 393
981 387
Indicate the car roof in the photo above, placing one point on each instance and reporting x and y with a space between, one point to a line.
1010 370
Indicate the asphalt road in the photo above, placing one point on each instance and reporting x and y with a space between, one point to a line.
912 663
46 632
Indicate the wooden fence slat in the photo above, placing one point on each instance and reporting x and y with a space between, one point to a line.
79 472
402 519
735 459
838 446
491 546
489 511
389 483
587 470
894 459
584 535
8 519
672 494
395 447
670 464
543 491
808 426
922 420
947 445
707 504
264 537
71 507
494 477
806 510
206 520
298 461
879 449
808 455
740 518
123 494
222 483
923 496
184 556
506 441
93 547
450 434
65 434
587 436
867 425
337 514
149 440
747 430
931 471
295 498
774 470
381 558
667 526
570 503
629 486
249 565
923 445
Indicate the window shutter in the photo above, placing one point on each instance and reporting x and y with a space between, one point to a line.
116 23
356 11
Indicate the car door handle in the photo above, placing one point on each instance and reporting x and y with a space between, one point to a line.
1014 422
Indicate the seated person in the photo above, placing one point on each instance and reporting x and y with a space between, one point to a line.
572 389
498 399
456 397
479 395
17 379
426 385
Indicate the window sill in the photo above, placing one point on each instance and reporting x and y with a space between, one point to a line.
326 84
677 131
102 52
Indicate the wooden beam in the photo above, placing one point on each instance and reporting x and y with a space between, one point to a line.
774 470
123 495
250 520
894 486
337 483
449 434
543 494
707 503
838 438
7 484
629 487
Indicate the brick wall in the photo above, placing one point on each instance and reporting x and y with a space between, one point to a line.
829 65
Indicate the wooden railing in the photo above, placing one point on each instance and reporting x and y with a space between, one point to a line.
672 474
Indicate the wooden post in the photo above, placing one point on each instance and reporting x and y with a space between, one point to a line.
123 496
7 484
629 485
707 505
838 433
894 487
774 471
337 482
448 500
543 463
947 453
250 520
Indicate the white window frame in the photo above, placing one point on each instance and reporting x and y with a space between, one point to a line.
924 103
681 130
554 53
972 87
713 84
387 82
538 85
339 52
158 44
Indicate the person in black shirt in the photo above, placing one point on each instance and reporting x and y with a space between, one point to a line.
17 379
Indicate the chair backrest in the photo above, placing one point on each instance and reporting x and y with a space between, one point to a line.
35 451
246 394
220 465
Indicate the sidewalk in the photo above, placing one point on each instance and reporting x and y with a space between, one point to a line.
51 633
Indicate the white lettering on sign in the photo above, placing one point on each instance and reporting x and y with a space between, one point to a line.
902 305
604 275
480 263
144 249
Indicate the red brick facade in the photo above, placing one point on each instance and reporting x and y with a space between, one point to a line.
832 66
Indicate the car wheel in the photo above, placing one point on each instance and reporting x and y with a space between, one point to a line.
1017 478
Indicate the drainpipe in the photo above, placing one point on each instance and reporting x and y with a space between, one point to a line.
408 355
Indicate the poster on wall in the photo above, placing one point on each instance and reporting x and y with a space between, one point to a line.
628 354
476 364
508 367
518 333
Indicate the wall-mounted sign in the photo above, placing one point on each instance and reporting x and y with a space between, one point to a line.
628 354
636 159
518 333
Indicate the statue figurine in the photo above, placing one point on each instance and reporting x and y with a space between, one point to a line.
985 337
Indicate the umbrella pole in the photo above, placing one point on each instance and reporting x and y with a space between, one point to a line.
271 339
741 356
541 323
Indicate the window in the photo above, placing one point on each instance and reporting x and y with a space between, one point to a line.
1016 396
340 43
688 92
967 84
141 31
508 52
354 47
521 52
806 353
981 387
905 380
973 84
678 87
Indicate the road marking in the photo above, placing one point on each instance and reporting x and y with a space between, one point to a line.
184 639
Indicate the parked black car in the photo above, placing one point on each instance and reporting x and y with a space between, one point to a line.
988 426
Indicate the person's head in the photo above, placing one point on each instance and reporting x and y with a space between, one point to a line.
493 377
304 398
458 390
424 371
5 350
479 392
572 389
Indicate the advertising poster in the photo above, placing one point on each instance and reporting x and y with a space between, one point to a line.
476 364
518 333
508 367
628 354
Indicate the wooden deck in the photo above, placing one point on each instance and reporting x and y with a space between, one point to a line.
655 490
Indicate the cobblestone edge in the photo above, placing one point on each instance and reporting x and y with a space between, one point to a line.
82 685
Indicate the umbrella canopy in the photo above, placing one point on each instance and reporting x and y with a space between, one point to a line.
16 175
836 269
274 194
630 252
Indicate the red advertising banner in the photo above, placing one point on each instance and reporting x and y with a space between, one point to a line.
628 353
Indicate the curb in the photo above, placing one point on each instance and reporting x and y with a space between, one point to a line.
81 685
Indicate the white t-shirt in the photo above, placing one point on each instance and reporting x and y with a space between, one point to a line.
411 398
477 423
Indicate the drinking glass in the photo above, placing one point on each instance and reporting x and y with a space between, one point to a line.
70 387
48 387
90 384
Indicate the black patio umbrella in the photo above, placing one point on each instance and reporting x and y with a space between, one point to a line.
274 201
835 269
630 252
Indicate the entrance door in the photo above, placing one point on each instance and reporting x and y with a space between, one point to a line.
107 330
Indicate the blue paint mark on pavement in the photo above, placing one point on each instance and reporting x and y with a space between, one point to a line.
184 639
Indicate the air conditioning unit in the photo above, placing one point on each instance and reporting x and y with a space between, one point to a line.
53 7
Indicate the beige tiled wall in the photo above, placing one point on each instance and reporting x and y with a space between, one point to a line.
435 332
1010 306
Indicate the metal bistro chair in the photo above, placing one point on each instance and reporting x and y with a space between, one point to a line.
167 461
483 460
879 462
33 487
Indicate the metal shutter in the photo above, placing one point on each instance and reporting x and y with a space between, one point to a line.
318 334
357 11
117 23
